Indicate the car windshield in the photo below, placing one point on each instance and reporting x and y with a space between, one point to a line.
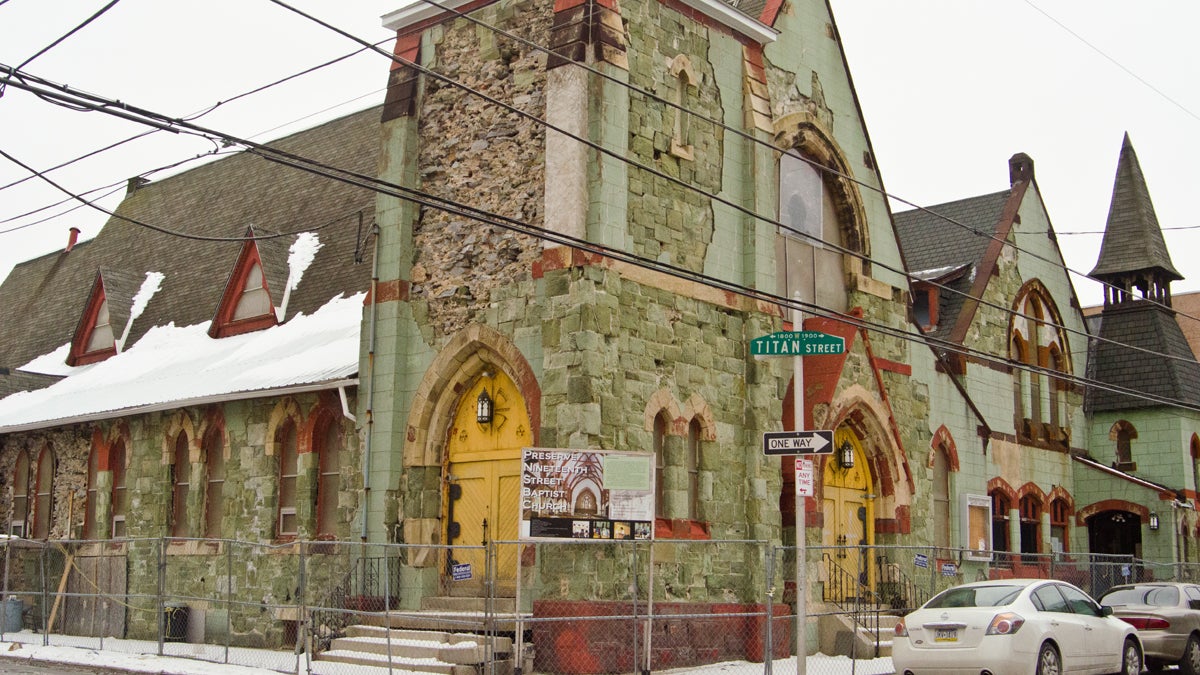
975 596
1158 596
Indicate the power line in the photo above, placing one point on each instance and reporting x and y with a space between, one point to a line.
457 208
69 33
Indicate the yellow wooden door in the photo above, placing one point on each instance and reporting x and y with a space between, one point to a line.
848 522
484 474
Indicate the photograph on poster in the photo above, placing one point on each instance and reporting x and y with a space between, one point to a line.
586 494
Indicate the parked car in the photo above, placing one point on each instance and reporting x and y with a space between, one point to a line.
1167 619
1015 627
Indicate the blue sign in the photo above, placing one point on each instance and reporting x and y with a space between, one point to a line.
921 560
949 569
461 571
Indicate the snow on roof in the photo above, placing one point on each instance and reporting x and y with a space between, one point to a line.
171 367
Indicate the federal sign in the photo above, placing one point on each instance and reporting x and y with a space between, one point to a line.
798 442
797 343
461 571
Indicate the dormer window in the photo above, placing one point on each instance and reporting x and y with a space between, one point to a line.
94 340
102 334
247 303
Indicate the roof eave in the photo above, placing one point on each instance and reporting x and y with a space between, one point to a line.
181 403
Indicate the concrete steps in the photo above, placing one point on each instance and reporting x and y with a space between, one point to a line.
425 651
841 636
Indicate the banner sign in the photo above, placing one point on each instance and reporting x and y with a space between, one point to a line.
586 494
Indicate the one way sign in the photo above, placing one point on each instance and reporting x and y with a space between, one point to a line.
798 442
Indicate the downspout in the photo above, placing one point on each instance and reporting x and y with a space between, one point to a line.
346 405
370 413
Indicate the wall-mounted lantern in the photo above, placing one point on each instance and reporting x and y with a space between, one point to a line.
1153 521
483 408
846 455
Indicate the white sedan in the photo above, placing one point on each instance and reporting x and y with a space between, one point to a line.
1014 627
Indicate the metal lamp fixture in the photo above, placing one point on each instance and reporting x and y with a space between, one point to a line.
1153 521
846 455
483 408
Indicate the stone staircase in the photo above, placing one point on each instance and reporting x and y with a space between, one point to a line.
447 635
840 635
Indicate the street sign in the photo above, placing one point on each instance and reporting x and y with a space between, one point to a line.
804 477
797 343
798 442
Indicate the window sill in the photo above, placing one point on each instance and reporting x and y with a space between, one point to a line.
194 547
681 528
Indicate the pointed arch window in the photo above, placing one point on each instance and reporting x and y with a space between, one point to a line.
808 244
119 494
329 479
660 464
19 524
1060 515
941 498
214 485
289 459
693 469
1038 353
89 509
1031 526
181 479
1123 434
43 507
1000 509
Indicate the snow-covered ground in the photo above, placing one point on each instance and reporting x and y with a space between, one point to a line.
139 656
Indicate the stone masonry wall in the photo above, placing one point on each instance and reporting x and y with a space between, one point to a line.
475 152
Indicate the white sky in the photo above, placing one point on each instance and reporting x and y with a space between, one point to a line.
950 90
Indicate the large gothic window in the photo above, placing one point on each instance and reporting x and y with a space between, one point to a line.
1038 352
808 259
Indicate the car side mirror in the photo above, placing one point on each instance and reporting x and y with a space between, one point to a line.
1106 610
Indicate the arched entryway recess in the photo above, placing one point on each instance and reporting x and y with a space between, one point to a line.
870 494
476 463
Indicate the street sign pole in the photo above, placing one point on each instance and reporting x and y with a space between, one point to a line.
801 517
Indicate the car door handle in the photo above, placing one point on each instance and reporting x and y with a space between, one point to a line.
1087 628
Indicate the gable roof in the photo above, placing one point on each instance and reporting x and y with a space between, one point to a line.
1133 240
218 199
931 241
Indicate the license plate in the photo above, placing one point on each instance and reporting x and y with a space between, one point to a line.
945 635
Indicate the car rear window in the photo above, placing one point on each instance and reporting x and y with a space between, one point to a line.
1158 596
976 596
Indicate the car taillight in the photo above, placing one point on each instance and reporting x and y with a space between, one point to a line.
1006 623
1146 622
901 629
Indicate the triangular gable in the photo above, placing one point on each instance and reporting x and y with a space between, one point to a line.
247 304
103 322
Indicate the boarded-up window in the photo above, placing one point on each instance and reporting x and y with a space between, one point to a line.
19 524
119 495
660 464
89 510
288 472
214 466
329 483
693 468
181 470
43 509
941 499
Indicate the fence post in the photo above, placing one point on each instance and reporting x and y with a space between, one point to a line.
387 604
769 656
8 544
162 569
228 595
302 618
45 599
637 654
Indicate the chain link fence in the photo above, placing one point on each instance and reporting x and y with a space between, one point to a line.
567 607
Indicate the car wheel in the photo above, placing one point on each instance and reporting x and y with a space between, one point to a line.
1048 662
1190 663
1131 658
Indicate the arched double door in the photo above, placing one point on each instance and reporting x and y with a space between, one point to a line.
849 515
483 486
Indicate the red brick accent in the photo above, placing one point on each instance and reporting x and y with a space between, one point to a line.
390 291
879 363
595 645
771 12
1090 510
681 528
998 484
943 438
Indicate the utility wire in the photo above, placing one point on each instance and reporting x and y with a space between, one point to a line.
480 215
738 207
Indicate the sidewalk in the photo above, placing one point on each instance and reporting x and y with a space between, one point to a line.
113 655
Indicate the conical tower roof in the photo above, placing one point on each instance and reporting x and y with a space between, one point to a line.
1133 241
